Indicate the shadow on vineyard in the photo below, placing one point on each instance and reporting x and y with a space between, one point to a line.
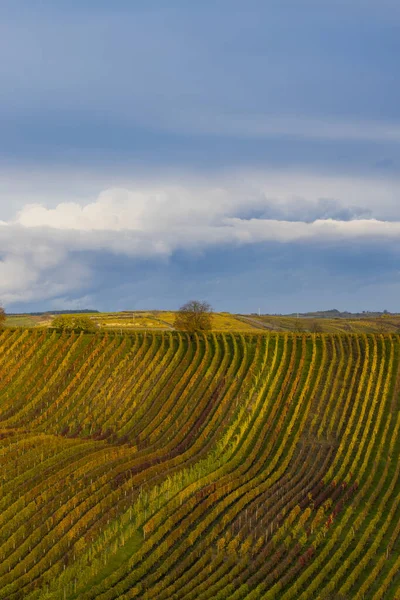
211 466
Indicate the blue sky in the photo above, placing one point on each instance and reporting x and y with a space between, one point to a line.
247 153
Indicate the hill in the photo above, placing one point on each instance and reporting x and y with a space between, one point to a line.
308 324
324 322
162 466
334 313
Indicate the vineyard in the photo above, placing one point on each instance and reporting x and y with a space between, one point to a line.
163 466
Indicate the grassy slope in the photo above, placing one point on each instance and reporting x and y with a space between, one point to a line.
223 466
27 321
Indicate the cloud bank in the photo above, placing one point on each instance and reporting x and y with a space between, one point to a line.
52 252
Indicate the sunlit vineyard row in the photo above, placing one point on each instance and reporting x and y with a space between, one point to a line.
207 466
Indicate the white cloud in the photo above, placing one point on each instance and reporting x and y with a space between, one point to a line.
44 250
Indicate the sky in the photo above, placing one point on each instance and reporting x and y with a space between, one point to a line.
242 152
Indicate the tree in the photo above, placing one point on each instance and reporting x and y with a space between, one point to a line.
2 317
194 316
74 323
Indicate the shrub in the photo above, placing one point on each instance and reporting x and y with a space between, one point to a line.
74 323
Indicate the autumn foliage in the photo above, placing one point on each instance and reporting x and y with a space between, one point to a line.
194 316
191 465
74 322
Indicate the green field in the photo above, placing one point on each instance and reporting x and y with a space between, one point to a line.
228 465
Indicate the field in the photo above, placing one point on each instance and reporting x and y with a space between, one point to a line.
382 324
224 322
137 320
164 320
27 321
162 466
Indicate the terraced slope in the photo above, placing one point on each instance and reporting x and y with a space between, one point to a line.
159 466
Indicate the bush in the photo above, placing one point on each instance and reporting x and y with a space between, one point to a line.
74 323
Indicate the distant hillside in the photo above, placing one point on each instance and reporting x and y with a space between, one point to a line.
385 323
336 314
54 312
164 320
